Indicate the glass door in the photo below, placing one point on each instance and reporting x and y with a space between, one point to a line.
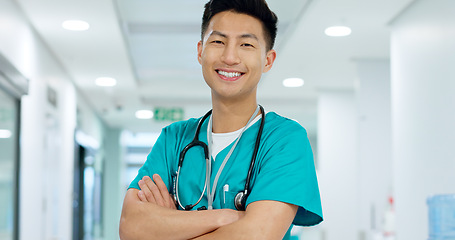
9 166
87 195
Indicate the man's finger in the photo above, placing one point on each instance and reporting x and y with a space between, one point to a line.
163 190
155 191
145 188
173 203
141 196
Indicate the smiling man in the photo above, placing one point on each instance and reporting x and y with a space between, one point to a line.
238 172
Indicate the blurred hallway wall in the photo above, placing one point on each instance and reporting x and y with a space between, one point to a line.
47 129
354 145
423 112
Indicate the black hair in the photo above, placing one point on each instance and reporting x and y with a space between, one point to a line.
255 8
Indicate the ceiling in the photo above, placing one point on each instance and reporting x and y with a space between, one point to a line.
149 46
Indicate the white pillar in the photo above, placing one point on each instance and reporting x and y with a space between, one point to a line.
112 183
423 110
32 205
374 143
337 171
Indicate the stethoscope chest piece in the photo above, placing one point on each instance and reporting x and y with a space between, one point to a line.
239 201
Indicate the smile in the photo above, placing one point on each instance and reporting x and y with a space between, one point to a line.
229 74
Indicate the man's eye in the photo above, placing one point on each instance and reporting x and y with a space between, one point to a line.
217 42
247 45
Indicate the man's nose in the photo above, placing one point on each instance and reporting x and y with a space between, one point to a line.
230 55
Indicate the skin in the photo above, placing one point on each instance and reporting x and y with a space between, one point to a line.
233 43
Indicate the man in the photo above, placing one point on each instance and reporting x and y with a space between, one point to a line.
236 48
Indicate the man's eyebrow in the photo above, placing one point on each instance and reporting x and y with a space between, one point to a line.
249 35
246 35
218 33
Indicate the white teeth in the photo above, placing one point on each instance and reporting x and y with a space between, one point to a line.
229 74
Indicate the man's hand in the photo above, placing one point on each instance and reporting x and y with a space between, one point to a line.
144 220
155 191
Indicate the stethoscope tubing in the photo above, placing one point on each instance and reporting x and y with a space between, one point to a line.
194 142
253 158
240 198
188 207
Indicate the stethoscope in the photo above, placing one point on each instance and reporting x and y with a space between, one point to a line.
240 198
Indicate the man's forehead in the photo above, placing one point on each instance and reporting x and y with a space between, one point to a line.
222 24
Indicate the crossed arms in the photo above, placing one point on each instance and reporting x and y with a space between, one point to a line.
150 213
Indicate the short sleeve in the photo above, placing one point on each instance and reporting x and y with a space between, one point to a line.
157 162
287 173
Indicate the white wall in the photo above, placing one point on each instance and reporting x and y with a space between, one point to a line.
47 132
355 162
338 166
374 143
423 113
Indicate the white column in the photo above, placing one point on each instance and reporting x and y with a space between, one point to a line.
374 143
32 205
423 110
338 167
67 118
112 183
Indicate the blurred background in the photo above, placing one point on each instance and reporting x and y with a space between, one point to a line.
86 86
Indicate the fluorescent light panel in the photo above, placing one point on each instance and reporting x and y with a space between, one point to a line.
338 31
5 133
293 82
106 82
144 114
75 25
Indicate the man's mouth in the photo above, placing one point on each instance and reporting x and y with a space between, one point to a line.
229 74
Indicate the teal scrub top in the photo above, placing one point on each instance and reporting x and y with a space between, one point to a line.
284 169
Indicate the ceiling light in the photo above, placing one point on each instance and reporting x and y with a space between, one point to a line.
337 31
144 114
5 133
75 25
293 82
106 82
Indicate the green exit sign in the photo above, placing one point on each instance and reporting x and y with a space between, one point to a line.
168 114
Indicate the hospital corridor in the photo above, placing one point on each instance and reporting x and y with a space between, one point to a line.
88 87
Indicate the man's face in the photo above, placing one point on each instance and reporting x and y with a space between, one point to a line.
233 55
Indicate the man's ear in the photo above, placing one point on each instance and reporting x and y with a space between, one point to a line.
270 59
199 52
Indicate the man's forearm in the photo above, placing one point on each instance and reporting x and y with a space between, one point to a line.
242 229
264 220
143 220
229 232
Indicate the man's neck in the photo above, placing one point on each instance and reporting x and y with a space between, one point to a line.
231 117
